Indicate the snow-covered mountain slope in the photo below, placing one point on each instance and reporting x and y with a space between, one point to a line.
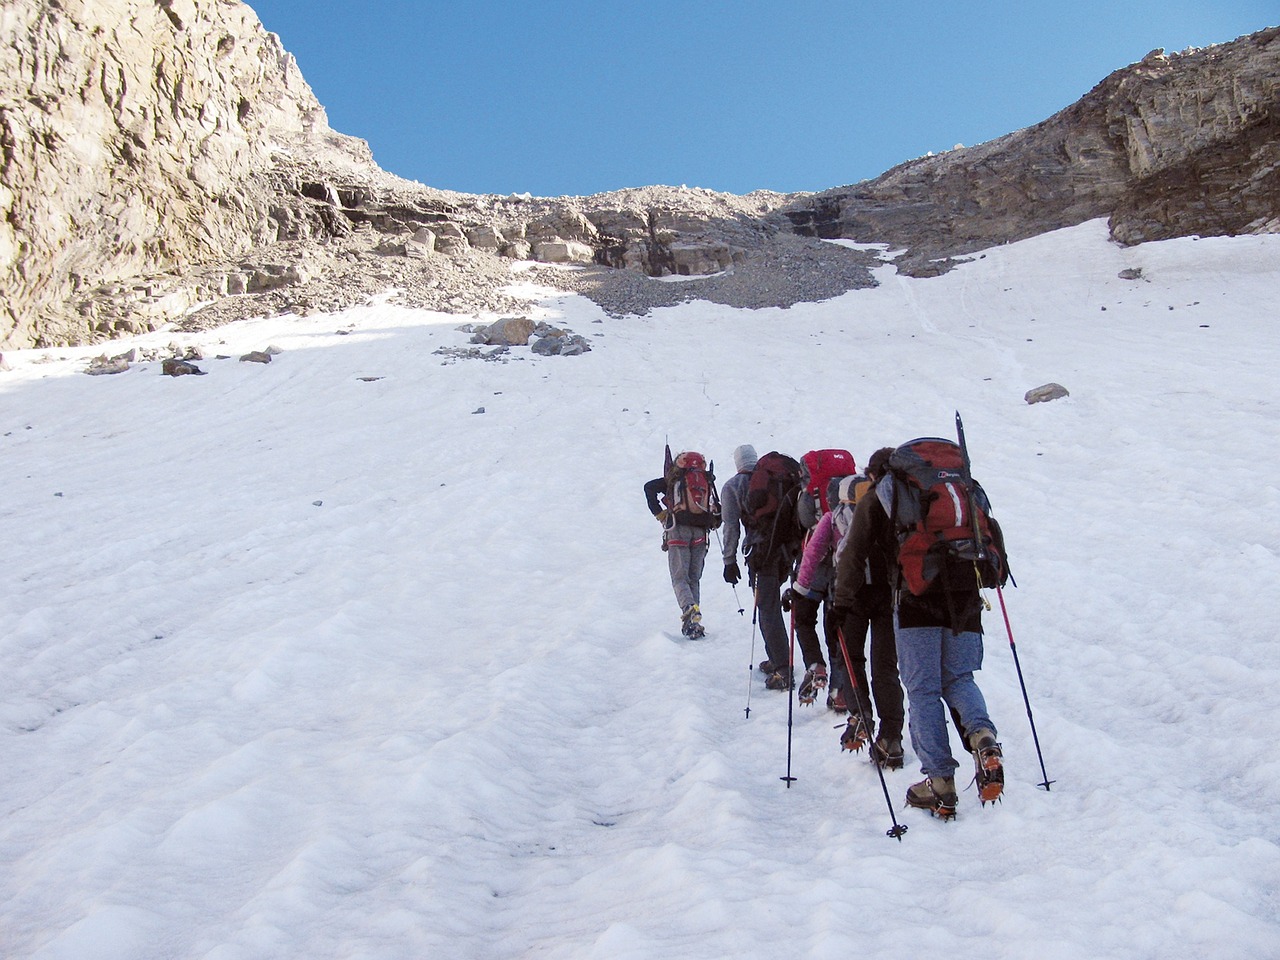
299 664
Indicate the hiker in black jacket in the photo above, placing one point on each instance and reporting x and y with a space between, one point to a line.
864 599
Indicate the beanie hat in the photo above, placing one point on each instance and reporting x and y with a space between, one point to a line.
744 458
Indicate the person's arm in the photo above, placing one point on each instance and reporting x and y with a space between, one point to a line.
814 553
652 490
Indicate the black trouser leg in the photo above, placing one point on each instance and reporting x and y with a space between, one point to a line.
805 611
857 694
885 685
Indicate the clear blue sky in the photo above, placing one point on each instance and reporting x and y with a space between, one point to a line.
561 97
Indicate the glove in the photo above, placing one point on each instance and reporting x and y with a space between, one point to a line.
731 572
787 596
662 517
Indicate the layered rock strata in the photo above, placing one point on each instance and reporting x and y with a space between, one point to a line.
1173 145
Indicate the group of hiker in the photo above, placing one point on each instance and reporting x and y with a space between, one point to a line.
897 552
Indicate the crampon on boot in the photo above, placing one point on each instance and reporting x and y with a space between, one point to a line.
691 623
988 764
887 751
815 681
835 700
854 736
935 794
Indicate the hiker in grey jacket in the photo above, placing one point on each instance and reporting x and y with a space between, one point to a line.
767 583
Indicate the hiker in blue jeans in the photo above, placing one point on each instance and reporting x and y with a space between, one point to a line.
939 640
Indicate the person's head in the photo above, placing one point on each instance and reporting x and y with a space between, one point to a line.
878 463
744 458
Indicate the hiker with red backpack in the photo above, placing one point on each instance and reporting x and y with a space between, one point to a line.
863 600
685 502
761 498
934 520
811 583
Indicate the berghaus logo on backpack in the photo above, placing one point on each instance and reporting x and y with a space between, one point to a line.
943 524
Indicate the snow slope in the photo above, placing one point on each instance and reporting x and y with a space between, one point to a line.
294 664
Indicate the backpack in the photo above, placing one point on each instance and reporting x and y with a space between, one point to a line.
818 469
770 508
933 512
691 492
843 493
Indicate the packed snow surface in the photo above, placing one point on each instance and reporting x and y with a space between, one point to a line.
300 664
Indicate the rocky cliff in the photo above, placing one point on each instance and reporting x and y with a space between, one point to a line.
165 162
1173 145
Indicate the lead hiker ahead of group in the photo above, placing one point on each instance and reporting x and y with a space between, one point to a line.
685 502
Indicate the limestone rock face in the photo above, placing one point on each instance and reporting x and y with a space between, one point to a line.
1170 146
140 136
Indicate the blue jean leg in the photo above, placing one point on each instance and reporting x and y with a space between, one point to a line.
937 667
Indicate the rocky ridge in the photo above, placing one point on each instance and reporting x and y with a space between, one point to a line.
1170 146
164 162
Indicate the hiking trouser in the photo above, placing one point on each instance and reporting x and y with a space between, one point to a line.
686 555
937 666
804 612
767 585
885 688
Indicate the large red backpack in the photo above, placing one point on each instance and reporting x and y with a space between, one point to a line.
691 491
935 512
818 469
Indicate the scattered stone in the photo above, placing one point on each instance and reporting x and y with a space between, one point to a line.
173 367
1043 394
317 503
1130 273
256 356
369 379
100 366
478 410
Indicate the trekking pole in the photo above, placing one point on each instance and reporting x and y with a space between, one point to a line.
751 663
1025 699
741 609
898 829
791 695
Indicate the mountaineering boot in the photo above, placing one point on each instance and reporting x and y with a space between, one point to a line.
935 794
691 622
854 736
988 763
815 679
887 751
766 667
835 700
778 680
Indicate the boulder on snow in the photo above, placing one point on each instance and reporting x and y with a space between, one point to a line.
256 356
507 332
1047 392
173 367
